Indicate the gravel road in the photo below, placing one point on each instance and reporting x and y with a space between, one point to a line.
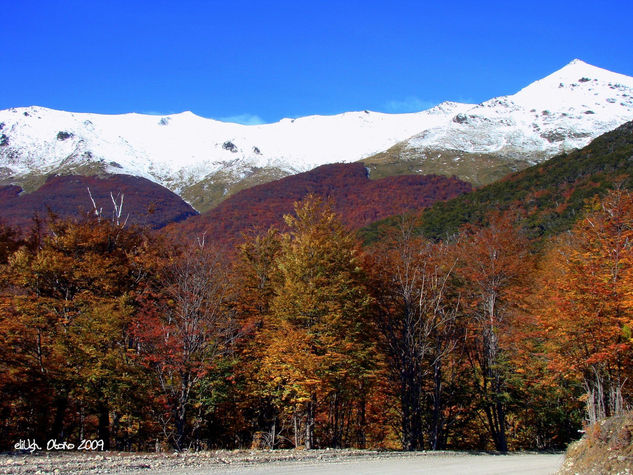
283 462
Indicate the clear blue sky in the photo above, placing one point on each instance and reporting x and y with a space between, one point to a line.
264 60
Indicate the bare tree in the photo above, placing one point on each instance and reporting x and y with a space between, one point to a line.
117 208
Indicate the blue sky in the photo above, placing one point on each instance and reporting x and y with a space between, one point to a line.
253 61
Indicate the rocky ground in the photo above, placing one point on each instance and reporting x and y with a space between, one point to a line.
607 447
279 461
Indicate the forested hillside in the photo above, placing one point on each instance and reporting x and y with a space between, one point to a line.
358 200
549 197
141 201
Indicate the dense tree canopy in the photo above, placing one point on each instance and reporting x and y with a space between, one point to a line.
305 338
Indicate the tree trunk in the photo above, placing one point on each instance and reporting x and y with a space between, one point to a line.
438 422
360 437
496 410
181 411
296 428
104 424
61 404
501 443
309 440
181 421
411 410
495 413
335 442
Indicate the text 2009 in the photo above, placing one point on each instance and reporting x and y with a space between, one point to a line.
87 444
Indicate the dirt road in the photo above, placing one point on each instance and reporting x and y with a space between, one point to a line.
283 462
531 464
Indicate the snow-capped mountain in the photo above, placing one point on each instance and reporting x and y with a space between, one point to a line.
192 146
563 111
183 150
198 157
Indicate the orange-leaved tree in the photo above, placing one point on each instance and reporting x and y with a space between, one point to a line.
587 303
494 263
66 331
320 361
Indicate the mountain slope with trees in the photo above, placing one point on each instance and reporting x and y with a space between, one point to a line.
141 201
356 198
551 196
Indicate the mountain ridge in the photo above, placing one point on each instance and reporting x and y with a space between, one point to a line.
205 160
559 113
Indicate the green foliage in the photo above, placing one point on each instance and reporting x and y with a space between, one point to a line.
552 194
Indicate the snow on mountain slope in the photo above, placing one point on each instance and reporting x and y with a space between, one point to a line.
562 111
186 147
191 154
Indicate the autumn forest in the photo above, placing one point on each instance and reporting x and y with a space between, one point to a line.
305 336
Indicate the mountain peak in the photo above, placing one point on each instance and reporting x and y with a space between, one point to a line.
574 85
578 62
578 70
